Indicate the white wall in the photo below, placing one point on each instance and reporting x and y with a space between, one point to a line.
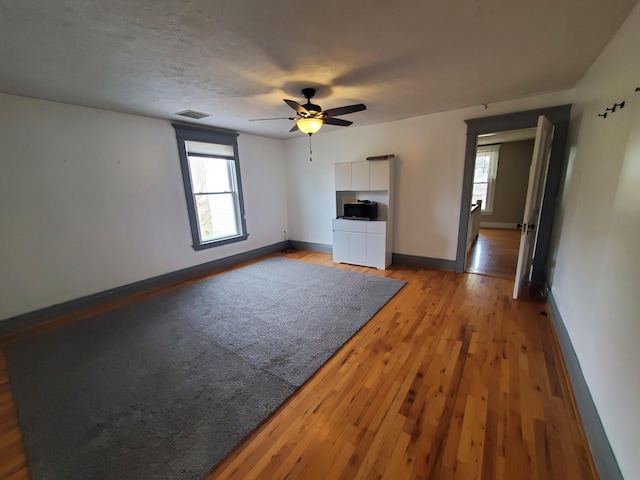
429 166
511 183
91 200
595 259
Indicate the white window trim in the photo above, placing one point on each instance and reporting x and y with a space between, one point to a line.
494 151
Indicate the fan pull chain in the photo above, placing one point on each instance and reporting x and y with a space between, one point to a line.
310 151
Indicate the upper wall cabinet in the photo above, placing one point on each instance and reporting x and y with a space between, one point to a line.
379 174
363 176
343 176
360 176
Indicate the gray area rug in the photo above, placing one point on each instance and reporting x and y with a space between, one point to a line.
165 388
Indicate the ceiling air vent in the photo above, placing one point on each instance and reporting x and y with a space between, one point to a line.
193 114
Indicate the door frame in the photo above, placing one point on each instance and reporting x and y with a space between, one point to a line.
559 116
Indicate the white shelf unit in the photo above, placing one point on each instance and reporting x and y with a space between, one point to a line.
364 242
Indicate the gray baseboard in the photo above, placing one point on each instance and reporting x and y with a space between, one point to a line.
424 262
398 258
30 319
319 247
603 456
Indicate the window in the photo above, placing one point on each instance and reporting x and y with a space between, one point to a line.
484 179
211 177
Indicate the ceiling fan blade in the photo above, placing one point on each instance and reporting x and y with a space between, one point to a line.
296 106
334 112
337 121
274 118
294 128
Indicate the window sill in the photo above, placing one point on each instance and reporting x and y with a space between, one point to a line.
221 241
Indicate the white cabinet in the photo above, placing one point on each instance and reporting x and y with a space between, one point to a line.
360 242
341 247
379 175
363 176
357 247
343 176
363 242
359 176
376 246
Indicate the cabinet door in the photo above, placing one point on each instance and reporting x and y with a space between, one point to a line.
343 176
358 248
360 176
376 250
341 247
377 226
379 175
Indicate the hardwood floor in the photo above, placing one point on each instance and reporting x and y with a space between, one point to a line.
495 253
452 379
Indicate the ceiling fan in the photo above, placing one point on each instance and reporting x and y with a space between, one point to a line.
310 117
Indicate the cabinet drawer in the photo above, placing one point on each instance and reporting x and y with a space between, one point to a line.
343 225
376 227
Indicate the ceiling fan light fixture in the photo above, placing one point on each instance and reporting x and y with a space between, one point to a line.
309 125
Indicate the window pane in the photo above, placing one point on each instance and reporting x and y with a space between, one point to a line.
209 148
483 168
210 174
479 193
211 168
216 216
484 177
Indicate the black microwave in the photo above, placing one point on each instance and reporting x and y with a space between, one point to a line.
361 210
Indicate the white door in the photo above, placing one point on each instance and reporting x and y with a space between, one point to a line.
533 204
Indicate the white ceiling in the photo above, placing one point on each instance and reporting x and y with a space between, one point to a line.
238 59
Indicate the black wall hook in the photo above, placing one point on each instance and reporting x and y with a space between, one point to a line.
613 109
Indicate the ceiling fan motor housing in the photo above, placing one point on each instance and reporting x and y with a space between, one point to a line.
309 93
312 108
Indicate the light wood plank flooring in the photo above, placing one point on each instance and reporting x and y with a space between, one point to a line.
495 253
452 379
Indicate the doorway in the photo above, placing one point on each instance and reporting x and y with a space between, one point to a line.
494 253
499 188
559 117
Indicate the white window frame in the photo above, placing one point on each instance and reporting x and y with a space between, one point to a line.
186 133
494 152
